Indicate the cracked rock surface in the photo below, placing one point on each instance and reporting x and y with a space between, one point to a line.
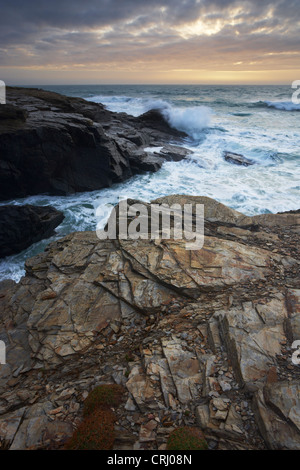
201 337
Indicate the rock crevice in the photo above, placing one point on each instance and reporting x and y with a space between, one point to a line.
197 338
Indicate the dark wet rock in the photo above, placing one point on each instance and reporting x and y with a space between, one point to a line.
155 120
237 159
145 161
10 113
55 144
174 153
153 160
21 226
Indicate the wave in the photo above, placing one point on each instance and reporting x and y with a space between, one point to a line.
279 105
284 105
191 120
241 114
126 104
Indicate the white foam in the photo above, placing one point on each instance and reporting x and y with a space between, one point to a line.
271 185
130 105
153 149
191 120
283 105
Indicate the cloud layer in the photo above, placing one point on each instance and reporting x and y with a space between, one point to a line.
157 36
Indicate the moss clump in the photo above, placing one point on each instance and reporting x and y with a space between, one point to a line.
129 357
103 396
186 438
96 432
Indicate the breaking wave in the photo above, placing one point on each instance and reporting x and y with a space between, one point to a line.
191 120
283 105
280 105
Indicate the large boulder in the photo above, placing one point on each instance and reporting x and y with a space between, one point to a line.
21 226
154 119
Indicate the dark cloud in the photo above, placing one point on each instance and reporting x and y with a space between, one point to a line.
97 13
112 33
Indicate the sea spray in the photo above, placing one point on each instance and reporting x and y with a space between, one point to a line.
191 120
283 105
241 122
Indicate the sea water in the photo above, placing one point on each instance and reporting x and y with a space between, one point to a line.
259 122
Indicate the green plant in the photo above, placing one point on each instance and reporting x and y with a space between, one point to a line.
103 396
96 432
186 438
129 357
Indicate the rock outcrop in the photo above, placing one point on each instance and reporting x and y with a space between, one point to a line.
21 226
50 143
199 337
237 159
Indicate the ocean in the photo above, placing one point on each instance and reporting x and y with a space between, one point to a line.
260 122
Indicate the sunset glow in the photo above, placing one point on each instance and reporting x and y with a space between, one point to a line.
219 41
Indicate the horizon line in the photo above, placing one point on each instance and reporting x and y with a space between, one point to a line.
146 84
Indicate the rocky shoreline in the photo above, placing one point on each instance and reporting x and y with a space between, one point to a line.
196 338
50 143
53 144
199 338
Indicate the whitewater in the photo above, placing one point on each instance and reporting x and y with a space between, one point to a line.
259 122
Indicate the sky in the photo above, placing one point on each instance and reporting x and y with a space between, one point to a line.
149 41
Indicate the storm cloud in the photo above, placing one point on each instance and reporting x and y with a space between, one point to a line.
153 35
